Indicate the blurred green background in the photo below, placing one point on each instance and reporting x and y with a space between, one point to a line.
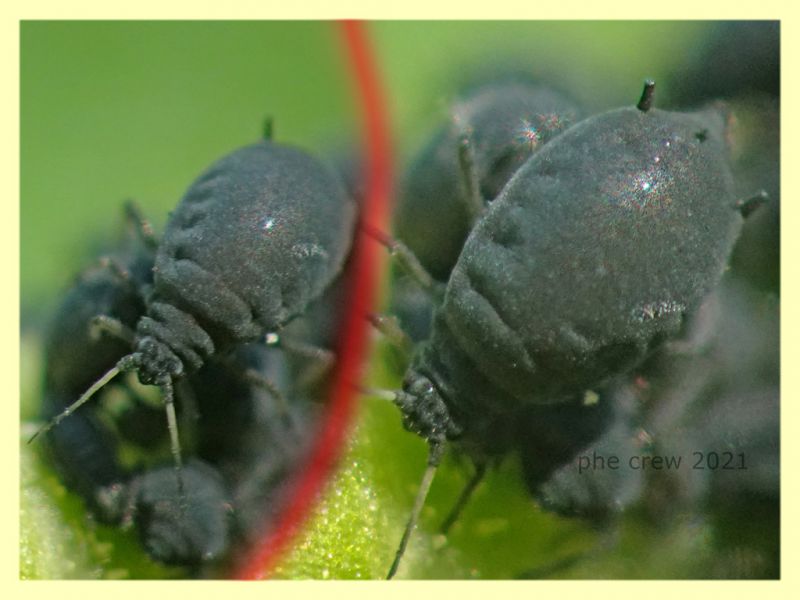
116 110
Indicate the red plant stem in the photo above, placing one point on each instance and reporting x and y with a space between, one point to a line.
353 343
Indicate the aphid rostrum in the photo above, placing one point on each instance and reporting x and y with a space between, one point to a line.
587 260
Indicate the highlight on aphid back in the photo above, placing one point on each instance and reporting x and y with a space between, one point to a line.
573 365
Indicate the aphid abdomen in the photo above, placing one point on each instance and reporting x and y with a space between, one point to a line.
505 123
257 237
576 463
549 436
722 397
75 358
84 453
594 251
82 448
186 529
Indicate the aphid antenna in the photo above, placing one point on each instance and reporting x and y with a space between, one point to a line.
93 389
466 494
436 450
646 101
388 395
129 363
473 201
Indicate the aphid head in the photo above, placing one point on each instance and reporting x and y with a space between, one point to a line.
424 413
154 362
424 409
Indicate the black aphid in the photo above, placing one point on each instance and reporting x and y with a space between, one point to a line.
257 237
77 353
236 478
586 261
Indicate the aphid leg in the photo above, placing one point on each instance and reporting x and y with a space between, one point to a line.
320 361
257 379
140 225
466 161
174 440
646 101
103 324
699 340
693 347
188 400
480 472
436 449
117 269
190 414
93 389
383 394
254 377
608 539
408 262
389 327
268 128
748 205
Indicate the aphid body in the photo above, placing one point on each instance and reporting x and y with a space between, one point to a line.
500 126
82 449
586 261
588 258
258 237
253 241
492 131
